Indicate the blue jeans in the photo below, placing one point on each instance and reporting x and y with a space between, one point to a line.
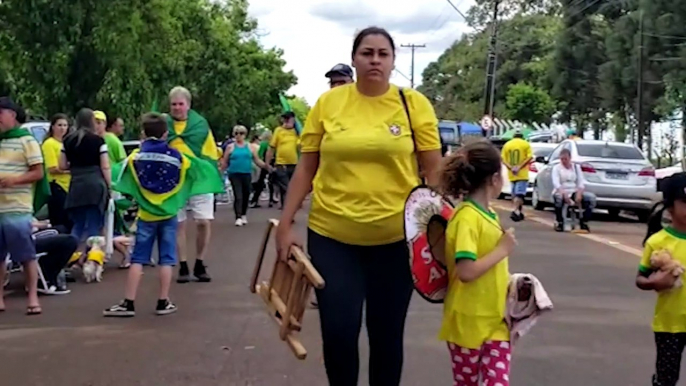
87 222
147 232
588 201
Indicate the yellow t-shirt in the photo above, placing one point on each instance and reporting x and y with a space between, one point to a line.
670 310
209 147
285 142
17 155
515 152
52 149
367 163
474 312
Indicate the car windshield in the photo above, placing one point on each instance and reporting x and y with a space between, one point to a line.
542 151
609 150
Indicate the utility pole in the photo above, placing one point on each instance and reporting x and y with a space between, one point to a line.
639 91
413 47
489 91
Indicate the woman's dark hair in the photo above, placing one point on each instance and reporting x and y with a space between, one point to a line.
655 219
372 31
53 122
111 120
470 168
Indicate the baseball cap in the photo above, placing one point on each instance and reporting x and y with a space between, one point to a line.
6 103
99 115
340 69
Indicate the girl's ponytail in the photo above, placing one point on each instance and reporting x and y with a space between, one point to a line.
655 220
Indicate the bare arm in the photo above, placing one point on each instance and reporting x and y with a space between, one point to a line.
105 168
63 163
300 186
225 158
270 156
430 162
258 161
469 270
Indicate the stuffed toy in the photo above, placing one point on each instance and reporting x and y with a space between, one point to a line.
662 260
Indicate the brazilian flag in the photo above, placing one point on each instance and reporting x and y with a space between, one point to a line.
161 179
286 107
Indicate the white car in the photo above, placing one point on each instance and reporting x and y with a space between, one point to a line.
539 149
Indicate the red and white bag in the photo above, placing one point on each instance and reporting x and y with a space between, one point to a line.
426 217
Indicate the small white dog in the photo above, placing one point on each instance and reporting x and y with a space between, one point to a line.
94 265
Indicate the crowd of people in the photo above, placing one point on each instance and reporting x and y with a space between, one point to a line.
365 145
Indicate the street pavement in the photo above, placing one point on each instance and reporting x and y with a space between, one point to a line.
598 334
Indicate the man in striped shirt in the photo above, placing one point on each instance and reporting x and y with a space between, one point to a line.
21 165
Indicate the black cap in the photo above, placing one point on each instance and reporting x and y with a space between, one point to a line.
6 103
288 114
340 69
674 188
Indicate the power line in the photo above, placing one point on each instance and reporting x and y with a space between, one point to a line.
413 47
456 9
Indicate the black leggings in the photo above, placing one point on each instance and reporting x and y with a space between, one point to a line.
56 213
240 182
258 187
669 349
377 275
58 249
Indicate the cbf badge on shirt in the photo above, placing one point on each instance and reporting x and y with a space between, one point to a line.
426 218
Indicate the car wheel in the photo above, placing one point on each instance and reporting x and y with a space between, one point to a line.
614 213
535 200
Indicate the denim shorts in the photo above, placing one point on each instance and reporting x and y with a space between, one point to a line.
519 188
16 238
147 232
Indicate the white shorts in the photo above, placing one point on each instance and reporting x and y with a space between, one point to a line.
202 207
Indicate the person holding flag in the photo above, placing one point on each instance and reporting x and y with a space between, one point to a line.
190 134
161 179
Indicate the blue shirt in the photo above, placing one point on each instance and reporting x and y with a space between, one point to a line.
241 159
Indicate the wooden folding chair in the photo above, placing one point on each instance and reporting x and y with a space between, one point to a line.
287 293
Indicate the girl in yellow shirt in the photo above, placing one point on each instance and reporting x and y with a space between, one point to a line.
362 141
59 178
669 322
477 252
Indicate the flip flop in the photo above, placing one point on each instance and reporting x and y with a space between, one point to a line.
125 266
34 310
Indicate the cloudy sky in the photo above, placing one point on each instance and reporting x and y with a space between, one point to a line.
317 34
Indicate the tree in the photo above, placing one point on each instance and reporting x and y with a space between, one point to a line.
85 57
455 82
527 103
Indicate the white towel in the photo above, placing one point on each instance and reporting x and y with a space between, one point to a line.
521 315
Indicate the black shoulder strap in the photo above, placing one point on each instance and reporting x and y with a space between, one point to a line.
407 112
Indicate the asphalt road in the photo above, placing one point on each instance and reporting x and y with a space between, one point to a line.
598 334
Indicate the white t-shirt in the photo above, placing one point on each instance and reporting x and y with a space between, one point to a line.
568 180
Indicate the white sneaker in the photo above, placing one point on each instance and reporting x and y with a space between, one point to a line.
244 219
239 222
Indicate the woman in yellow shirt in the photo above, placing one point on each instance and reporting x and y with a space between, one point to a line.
477 252
59 179
362 145
669 322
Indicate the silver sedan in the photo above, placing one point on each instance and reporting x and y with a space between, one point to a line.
620 176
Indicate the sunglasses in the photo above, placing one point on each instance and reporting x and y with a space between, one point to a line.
241 133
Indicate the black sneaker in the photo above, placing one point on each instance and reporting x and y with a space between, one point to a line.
521 216
559 227
584 227
200 272
184 275
124 309
165 307
255 205
516 217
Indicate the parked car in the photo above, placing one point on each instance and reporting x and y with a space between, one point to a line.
619 174
39 129
540 150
